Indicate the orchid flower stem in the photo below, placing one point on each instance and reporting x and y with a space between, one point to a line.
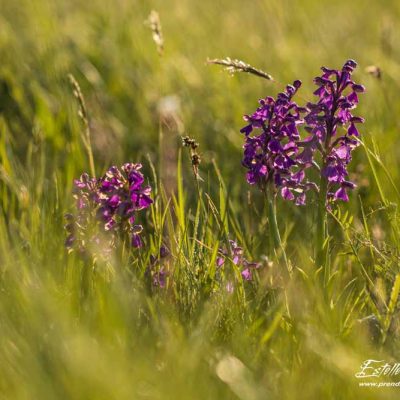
273 227
321 244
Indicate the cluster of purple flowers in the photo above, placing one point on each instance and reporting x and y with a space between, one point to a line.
235 252
107 207
278 156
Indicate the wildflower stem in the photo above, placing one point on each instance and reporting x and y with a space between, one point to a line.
273 226
321 231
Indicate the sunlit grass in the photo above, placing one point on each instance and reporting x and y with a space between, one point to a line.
124 338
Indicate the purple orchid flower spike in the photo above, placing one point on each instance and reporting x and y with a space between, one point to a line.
272 154
107 207
333 127
334 135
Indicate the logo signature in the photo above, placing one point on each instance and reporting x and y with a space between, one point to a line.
378 368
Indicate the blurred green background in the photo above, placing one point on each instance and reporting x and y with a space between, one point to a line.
109 49
134 97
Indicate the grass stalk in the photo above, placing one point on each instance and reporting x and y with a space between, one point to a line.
83 115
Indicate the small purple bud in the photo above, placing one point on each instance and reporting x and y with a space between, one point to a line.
164 252
356 120
348 184
358 88
297 84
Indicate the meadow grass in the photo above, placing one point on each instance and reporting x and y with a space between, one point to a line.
70 331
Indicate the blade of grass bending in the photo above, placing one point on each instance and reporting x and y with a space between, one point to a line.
371 164
273 326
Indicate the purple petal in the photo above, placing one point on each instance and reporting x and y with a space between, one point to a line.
306 156
251 178
135 179
274 146
353 130
79 184
246 274
236 259
352 97
298 176
247 129
343 152
301 200
332 173
114 201
287 194
136 241
341 194
145 201
220 261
